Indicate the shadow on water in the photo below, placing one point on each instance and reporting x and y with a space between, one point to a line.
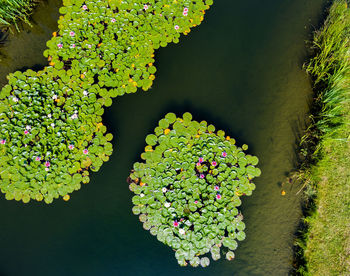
240 70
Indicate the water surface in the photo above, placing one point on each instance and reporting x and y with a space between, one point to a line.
241 71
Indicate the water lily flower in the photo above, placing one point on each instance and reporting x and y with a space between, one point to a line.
145 7
26 132
37 158
198 164
47 164
167 204
49 115
89 46
60 45
54 97
85 151
216 188
224 154
74 116
3 142
28 127
214 163
85 93
177 27
71 146
200 160
218 196
72 45
113 20
201 176
142 195
47 169
175 223
71 33
184 13
164 190
15 99
52 125
182 231
196 202
84 7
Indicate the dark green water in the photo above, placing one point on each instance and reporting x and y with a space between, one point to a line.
241 71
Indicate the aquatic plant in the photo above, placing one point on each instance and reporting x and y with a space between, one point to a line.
189 186
102 49
50 137
14 11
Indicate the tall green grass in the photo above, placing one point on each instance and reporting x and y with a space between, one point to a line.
323 245
14 11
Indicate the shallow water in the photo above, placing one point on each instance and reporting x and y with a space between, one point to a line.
241 71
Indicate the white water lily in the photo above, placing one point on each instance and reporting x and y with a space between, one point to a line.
164 190
167 204
182 231
142 195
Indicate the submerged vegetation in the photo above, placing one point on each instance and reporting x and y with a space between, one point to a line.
324 243
52 131
14 11
189 186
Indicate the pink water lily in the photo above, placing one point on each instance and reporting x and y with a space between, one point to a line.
218 196
60 45
72 33
37 158
145 7
72 46
3 142
175 223
184 13
176 27
84 7
214 163
47 164
71 146
113 20
224 154
185 9
196 201
198 164
26 132
89 46
201 176
216 188
85 151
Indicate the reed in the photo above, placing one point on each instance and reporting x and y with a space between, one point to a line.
14 11
323 241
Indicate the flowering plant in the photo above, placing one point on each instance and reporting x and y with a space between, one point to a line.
188 188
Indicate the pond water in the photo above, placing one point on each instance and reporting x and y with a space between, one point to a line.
241 71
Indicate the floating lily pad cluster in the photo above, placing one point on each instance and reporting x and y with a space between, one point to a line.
189 186
112 43
52 131
50 137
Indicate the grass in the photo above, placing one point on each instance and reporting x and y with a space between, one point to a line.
14 11
324 242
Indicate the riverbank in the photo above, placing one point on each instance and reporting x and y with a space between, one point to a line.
14 11
324 243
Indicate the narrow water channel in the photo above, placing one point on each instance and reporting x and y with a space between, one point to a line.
241 71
